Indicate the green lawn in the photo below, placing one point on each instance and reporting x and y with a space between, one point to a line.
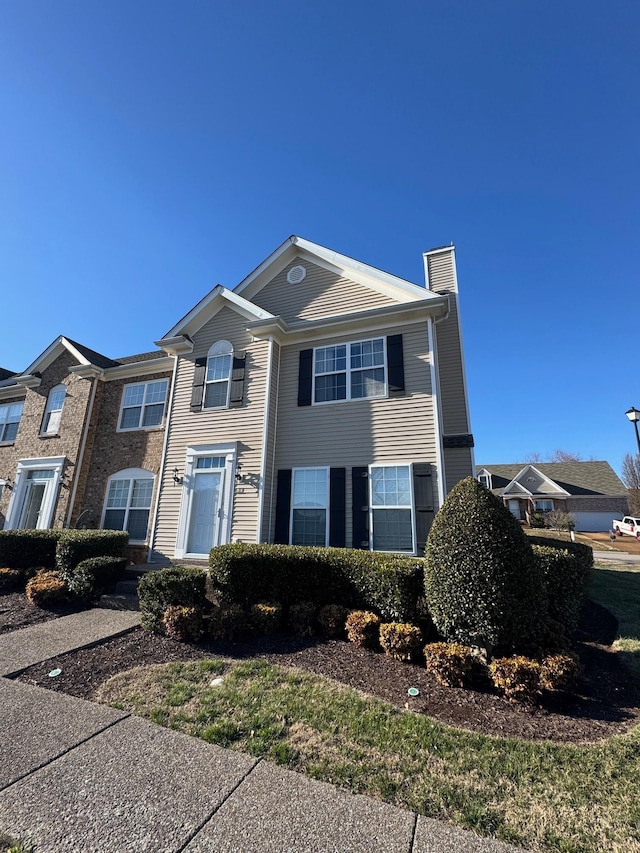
617 586
573 799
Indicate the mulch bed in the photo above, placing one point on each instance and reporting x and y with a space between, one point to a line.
16 612
607 703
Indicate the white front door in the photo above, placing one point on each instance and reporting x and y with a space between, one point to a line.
35 493
514 508
204 514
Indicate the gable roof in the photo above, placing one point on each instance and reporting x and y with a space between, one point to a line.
83 355
576 478
5 374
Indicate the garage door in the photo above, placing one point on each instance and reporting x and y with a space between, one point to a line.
595 522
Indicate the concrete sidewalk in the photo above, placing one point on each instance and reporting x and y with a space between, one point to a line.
78 776
617 557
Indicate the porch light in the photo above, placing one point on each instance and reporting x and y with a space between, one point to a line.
634 416
176 479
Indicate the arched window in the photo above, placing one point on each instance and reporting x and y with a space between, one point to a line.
128 502
218 376
53 411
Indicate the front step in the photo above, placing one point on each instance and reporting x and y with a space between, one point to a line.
119 602
125 595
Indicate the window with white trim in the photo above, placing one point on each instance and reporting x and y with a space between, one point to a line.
217 381
352 371
485 480
128 502
53 411
143 404
309 506
543 505
391 508
10 415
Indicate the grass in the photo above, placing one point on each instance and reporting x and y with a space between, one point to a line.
617 587
542 796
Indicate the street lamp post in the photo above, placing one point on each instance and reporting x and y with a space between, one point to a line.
634 416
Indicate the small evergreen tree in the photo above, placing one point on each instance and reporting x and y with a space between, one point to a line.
483 585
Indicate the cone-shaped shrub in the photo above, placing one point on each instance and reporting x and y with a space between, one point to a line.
483 584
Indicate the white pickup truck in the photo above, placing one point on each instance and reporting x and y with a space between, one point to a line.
629 525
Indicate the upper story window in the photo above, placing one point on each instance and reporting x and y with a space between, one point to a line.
128 502
10 415
53 411
217 382
485 480
353 371
143 404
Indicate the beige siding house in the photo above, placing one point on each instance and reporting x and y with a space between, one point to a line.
320 402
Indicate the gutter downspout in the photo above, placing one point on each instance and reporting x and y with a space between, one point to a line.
83 444
165 443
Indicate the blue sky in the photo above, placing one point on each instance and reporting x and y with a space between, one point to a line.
150 150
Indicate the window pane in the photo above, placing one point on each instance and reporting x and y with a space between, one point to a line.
141 494
309 488
133 395
56 399
368 383
8 432
156 392
204 462
309 527
392 530
130 418
390 486
215 395
153 415
138 523
52 421
218 367
118 493
331 388
114 519
331 359
367 354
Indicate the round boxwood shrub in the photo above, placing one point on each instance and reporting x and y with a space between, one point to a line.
483 584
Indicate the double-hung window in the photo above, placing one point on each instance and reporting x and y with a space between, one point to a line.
10 415
128 503
53 411
543 505
143 404
310 506
352 371
217 381
391 508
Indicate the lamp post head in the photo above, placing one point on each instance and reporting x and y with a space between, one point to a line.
633 414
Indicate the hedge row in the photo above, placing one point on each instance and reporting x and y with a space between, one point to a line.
566 576
95 576
387 583
58 549
179 585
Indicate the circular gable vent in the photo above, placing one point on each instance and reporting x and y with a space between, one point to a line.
296 274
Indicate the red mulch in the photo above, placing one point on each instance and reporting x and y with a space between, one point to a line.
605 704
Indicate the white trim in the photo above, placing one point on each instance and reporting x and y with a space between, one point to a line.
163 459
129 371
83 444
273 454
544 477
129 474
265 437
207 308
437 413
411 507
19 489
140 427
326 507
349 370
229 450
460 344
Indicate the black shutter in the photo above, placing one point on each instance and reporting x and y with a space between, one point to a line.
283 507
360 507
337 507
423 494
305 377
395 365
237 380
197 391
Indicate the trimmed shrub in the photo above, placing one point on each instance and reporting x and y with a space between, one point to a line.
400 640
537 520
386 583
46 588
332 620
183 623
483 584
363 628
94 577
11 579
566 577
228 622
560 672
584 553
302 618
20 549
451 664
75 546
159 589
266 617
518 678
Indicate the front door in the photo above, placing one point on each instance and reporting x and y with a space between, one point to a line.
37 488
514 508
204 514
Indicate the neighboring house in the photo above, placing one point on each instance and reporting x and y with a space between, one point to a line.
321 402
81 439
590 491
